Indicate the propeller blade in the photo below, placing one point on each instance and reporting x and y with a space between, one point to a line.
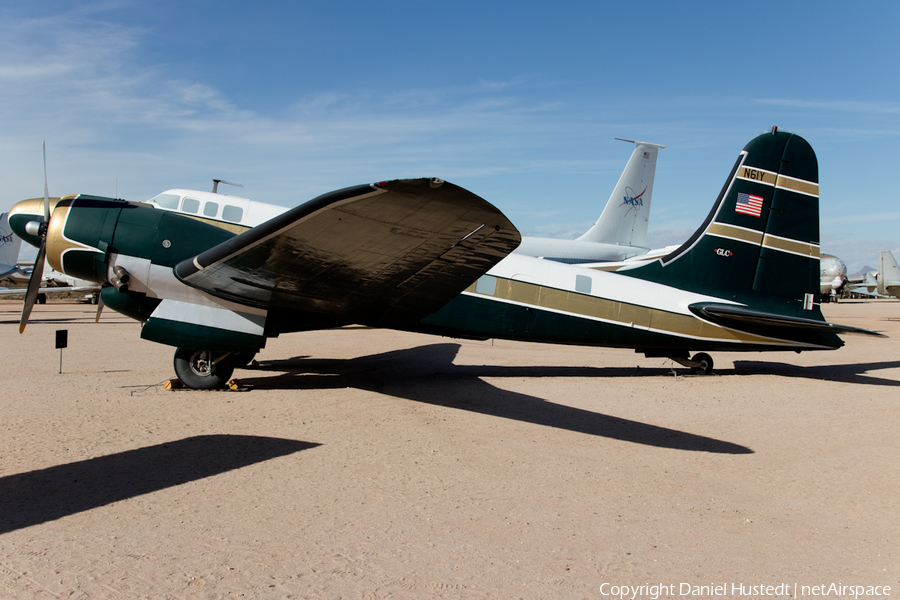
46 188
34 286
99 306
37 272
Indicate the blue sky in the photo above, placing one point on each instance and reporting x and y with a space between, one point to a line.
517 101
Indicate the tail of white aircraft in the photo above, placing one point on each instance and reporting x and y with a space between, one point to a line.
9 245
888 274
626 215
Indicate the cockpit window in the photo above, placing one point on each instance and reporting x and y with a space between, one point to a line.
211 209
166 201
232 213
190 205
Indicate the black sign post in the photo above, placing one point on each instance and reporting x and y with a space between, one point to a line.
62 341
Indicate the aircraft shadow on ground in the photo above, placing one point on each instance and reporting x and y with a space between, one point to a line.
849 373
40 496
427 374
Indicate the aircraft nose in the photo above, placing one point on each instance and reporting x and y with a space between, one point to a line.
26 216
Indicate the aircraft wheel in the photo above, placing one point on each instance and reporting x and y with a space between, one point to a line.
199 369
41 298
706 363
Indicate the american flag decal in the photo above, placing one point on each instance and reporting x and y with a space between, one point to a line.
749 204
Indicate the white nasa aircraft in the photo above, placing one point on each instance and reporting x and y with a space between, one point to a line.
619 234
621 231
9 249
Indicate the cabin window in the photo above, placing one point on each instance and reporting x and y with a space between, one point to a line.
487 284
233 213
167 201
211 209
190 205
583 284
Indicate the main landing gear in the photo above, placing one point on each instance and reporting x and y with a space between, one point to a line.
207 370
701 363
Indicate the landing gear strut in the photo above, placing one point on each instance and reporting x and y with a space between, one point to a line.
701 363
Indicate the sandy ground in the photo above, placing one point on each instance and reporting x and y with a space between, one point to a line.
374 464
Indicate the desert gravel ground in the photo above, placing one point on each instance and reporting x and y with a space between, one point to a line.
360 463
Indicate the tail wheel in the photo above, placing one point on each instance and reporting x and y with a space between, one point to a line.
705 363
202 369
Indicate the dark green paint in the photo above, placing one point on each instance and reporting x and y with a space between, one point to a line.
771 280
199 337
482 318
131 304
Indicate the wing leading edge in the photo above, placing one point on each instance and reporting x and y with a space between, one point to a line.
382 254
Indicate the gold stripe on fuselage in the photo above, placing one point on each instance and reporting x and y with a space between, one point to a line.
621 313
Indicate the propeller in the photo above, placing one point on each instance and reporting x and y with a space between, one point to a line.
37 272
99 306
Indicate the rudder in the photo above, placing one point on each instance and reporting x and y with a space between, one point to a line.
761 238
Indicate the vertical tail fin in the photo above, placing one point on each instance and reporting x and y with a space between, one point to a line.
888 274
760 241
625 217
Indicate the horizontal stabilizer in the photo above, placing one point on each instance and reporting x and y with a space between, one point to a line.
746 319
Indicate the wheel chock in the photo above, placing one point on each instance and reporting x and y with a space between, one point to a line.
173 384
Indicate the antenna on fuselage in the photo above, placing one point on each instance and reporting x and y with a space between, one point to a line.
216 183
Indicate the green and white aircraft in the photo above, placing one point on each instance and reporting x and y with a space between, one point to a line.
425 255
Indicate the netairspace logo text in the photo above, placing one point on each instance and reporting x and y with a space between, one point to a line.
742 590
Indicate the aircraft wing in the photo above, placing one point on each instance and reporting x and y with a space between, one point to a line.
380 254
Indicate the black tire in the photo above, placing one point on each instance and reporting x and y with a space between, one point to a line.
706 363
41 299
191 367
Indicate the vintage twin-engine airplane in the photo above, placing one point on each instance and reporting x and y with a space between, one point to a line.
425 255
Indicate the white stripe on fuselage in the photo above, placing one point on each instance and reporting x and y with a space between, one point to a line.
616 288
